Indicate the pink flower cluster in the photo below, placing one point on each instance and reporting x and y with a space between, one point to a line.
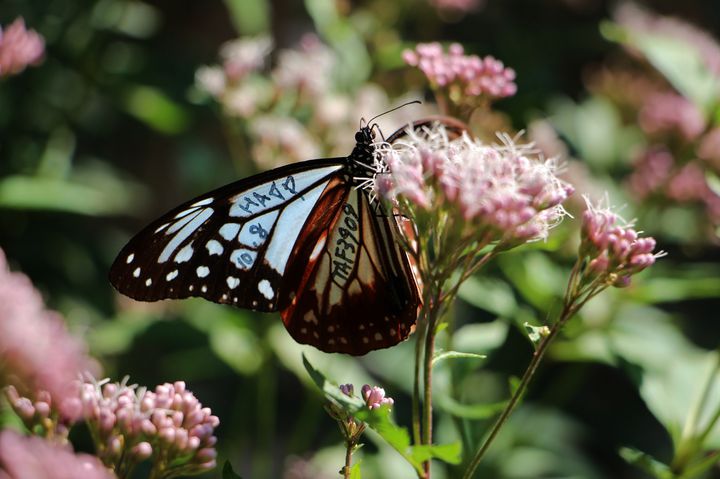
615 252
133 424
32 457
502 192
36 351
375 397
668 112
656 173
462 6
472 75
19 48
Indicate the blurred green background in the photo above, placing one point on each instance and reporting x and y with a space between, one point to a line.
111 131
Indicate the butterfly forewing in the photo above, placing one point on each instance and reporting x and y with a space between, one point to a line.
229 246
356 291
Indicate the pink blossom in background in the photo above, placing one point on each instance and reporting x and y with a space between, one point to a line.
375 397
307 69
29 457
668 112
473 75
19 48
244 55
652 169
36 351
709 149
463 6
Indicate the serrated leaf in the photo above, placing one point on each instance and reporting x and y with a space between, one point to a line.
442 355
228 473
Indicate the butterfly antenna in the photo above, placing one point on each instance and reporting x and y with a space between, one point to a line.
392 110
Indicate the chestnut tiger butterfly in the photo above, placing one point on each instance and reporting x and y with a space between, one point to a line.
306 239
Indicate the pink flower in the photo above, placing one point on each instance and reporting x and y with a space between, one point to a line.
614 251
19 48
375 397
307 69
36 351
168 424
244 55
497 193
471 75
32 457
461 6
667 112
347 389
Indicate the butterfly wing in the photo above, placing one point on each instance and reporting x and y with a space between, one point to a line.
355 288
229 246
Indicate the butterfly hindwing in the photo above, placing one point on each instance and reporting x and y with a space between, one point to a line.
355 289
230 245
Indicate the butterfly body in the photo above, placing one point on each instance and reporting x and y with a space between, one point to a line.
305 239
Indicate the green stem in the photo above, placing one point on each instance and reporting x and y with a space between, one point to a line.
348 460
690 441
571 305
416 421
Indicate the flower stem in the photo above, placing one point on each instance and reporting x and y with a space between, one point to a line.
348 460
569 309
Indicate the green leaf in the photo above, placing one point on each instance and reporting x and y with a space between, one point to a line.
250 17
679 60
228 473
355 471
442 355
155 109
489 294
646 462
469 411
53 194
713 181
450 453
380 420
354 63
536 333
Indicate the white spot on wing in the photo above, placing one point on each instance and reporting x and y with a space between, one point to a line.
214 247
318 247
204 202
184 254
184 233
265 288
378 337
130 258
203 289
136 273
185 212
202 271
232 282
148 282
162 227
171 275
229 230
288 226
